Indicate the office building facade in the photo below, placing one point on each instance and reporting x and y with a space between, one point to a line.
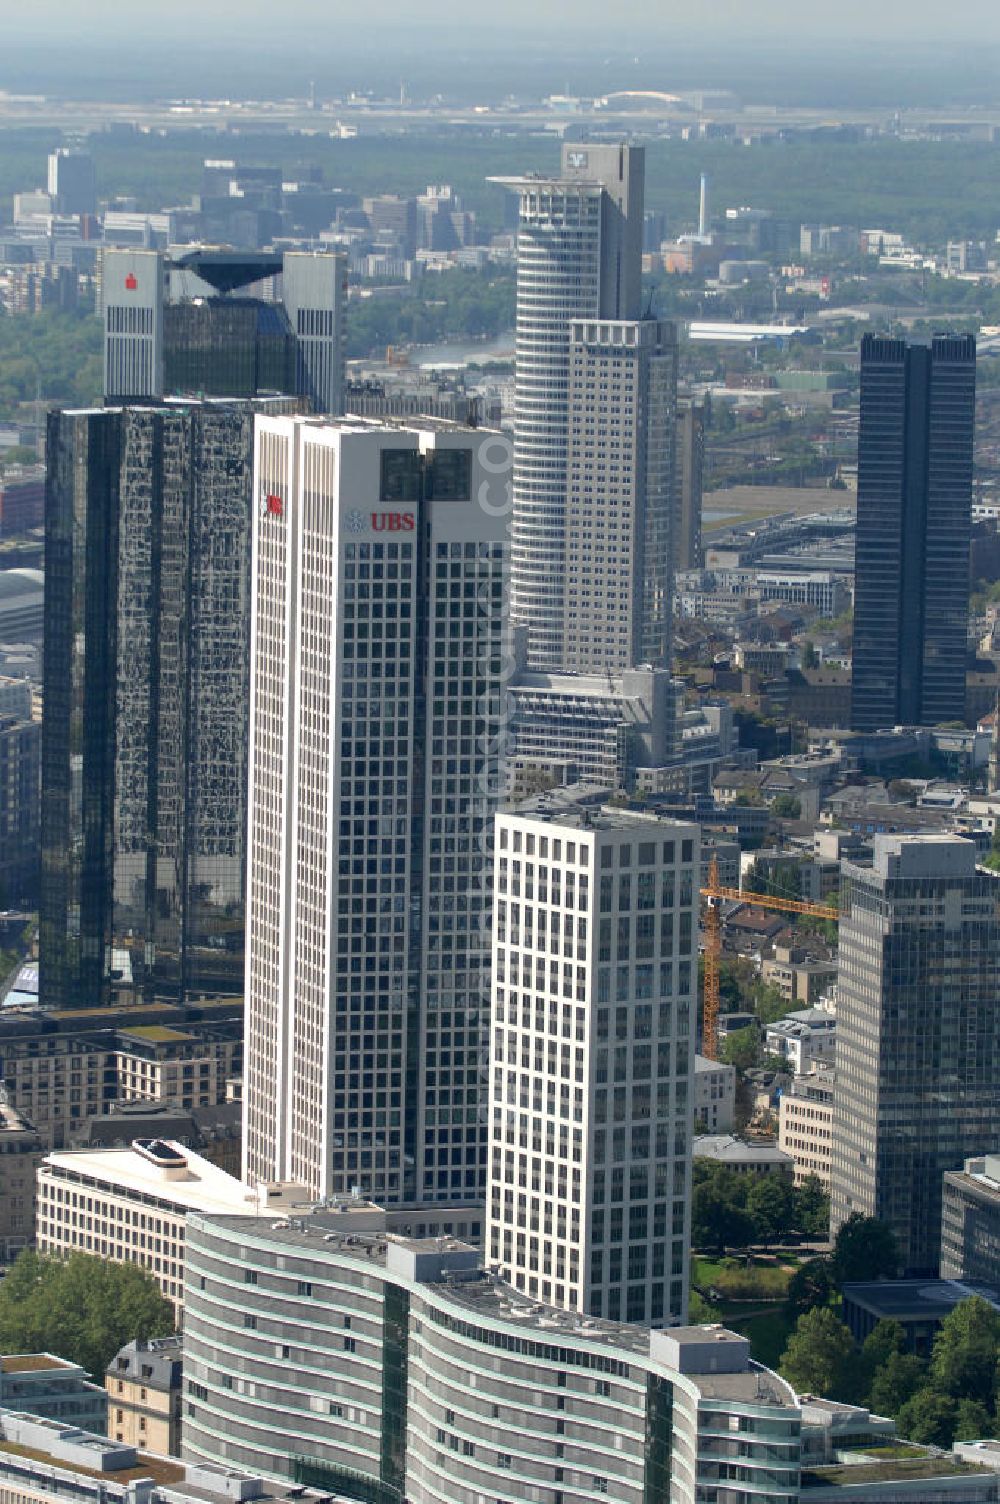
376 724
805 1125
592 1059
20 794
146 675
618 555
71 181
569 727
394 1368
187 324
918 1035
689 466
970 1222
911 590
41 1384
579 255
130 1205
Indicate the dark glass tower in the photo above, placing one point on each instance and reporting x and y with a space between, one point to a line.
146 689
914 506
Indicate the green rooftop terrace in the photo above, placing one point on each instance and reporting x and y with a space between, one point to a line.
886 1470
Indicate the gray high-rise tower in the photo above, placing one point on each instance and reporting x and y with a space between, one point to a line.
911 596
918 1035
579 255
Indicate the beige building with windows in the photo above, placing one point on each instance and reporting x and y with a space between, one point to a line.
805 1118
143 1382
131 1205
21 1151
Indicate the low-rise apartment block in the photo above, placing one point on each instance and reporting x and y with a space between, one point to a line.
714 1095
741 1155
21 1152
798 977
805 1125
803 1038
143 1384
61 1068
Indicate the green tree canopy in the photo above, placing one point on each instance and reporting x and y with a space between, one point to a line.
966 1351
81 1308
812 1208
811 1285
929 1417
896 1381
886 1338
974 1422
864 1248
717 1222
741 1048
769 1002
770 1203
786 807
819 1355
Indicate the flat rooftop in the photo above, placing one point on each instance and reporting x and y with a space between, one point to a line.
160 1469
203 1188
899 1470
157 1033
32 1363
916 1299
581 807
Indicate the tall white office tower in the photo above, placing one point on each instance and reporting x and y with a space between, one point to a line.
378 658
619 520
592 1058
579 255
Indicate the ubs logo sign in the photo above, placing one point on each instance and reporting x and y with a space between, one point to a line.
272 505
393 522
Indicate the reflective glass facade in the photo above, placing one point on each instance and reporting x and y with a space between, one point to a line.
914 508
144 736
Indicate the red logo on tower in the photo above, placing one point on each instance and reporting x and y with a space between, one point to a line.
275 507
131 282
392 522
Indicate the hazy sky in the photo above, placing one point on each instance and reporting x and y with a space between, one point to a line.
852 22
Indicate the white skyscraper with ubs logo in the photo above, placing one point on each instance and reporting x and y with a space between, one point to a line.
378 673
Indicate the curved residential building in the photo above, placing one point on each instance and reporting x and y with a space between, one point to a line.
396 1369
579 255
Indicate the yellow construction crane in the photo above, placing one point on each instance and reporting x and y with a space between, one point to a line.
713 894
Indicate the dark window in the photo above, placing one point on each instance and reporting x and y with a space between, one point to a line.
449 475
400 475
